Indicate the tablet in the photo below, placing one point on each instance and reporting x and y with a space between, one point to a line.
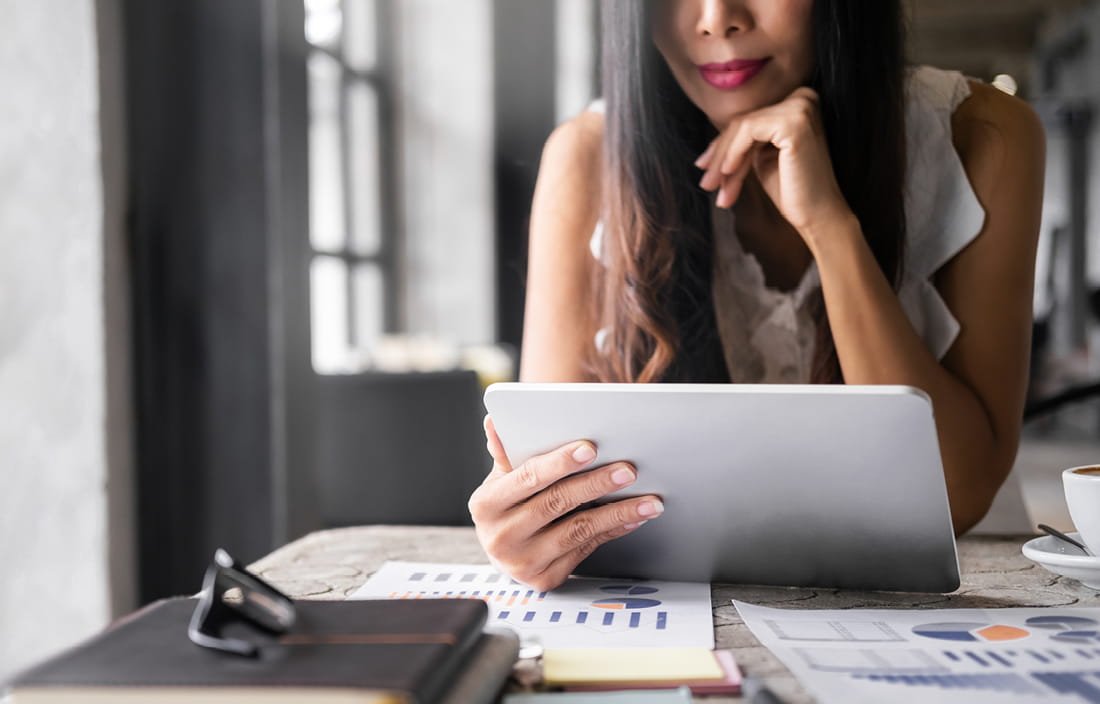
793 485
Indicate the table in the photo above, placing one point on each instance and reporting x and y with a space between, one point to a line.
332 564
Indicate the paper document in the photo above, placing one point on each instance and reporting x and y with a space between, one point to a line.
941 655
582 613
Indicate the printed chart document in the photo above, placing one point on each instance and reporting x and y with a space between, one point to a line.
582 613
936 655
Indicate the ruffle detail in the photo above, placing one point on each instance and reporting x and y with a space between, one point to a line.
943 214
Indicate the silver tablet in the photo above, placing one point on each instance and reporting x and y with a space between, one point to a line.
795 485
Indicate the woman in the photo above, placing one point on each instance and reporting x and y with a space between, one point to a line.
775 197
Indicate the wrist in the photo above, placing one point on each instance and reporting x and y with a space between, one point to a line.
827 236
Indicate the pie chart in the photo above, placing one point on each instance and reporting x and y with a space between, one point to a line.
983 632
1072 629
628 589
625 603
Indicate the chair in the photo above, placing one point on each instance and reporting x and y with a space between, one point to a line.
399 448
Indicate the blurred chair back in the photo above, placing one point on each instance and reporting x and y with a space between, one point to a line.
399 448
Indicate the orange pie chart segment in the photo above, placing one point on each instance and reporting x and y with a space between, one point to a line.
994 633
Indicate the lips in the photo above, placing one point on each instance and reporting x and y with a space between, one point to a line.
731 74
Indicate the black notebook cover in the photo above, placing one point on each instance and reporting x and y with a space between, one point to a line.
412 647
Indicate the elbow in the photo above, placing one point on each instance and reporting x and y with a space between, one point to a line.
971 499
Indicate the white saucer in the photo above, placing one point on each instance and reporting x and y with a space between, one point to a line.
1061 558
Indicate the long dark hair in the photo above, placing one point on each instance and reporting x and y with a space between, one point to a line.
654 294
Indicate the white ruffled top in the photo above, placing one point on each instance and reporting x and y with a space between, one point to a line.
768 334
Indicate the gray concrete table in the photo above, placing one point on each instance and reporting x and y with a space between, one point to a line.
332 564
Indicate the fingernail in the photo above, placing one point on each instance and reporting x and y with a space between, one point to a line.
651 508
622 476
584 454
632 526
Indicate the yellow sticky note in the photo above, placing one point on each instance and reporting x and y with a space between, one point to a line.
630 666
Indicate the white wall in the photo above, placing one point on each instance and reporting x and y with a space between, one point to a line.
55 587
446 125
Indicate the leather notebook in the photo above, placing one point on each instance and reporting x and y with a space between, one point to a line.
407 652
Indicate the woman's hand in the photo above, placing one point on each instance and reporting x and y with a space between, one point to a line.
520 514
784 144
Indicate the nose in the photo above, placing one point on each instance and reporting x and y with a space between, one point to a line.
721 18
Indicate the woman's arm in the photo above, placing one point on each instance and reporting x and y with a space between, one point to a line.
526 517
979 387
557 324
978 391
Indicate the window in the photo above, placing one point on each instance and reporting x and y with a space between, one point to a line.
353 287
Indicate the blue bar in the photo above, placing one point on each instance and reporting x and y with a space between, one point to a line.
582 617
469 577
417 576
555 617
635 619
1057 655
976 659
529 593
662 618
1070 683
1039 656
476 592
1084 653
994 656
529 617
951 655
608 618
515 593
542 595
503 614
443 577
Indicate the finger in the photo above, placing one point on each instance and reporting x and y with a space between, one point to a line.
705 157
567 495
572 532
713 176
496 447
542 471
559 570
732 184
807 93
740 148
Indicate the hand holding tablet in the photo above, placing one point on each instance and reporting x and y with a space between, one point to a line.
520 512
792 485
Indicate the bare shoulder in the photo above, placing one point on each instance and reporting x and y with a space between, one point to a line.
993 130
568 192
575 147
1001 142
583 133
557 326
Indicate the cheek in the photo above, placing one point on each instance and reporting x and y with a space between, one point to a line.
667 33
798 21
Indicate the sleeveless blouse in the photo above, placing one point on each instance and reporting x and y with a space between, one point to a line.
768 334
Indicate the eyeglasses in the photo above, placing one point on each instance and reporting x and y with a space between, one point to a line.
259 604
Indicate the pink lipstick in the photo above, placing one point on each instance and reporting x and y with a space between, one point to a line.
731 74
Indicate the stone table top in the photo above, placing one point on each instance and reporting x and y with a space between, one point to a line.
332 564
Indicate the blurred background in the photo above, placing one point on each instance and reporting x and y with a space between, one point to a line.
258 259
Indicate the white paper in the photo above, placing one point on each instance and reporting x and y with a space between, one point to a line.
582 613
936 655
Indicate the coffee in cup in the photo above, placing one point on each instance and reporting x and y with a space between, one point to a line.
1082 487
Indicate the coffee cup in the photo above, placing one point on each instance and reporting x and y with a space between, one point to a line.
1082 486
